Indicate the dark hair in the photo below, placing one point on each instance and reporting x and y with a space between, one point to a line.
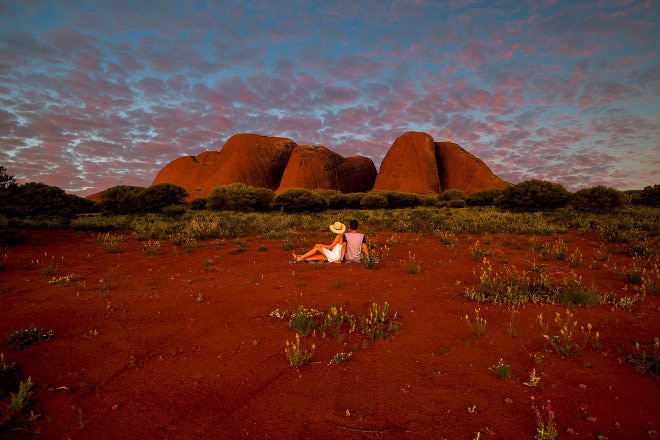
353 225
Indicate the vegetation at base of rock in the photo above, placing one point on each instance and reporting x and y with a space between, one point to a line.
533 195
597 199
126 199
239 197
299 200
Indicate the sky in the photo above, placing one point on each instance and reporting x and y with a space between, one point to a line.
100 93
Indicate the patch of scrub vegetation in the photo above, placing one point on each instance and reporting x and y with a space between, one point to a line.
536 286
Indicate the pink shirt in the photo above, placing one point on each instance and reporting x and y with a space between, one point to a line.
353 242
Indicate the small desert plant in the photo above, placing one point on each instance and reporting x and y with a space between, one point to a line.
511 328
646 361
559 249
533 379
571 292
64 279
502 370
302 320
112 243
333 320
575 259
477 251
372 260
297 357
564 343
478 324
445 237
379 322
151 248
340 357
185 240
21 399
545 430
19 339
411 265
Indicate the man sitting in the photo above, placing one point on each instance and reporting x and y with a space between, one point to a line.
356 244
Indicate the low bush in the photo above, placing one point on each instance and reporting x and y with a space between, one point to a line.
299 200
374 201
452 194
198 204
650 195
483 198
396 199
533 195
597 199
159 197
240 197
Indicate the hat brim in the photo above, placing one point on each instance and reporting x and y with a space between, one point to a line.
338 231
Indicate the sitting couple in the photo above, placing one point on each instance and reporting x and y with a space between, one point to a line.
347 246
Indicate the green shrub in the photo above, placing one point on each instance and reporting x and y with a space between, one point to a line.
158 197
354 200
597 199
198 204
428 200
452 194
121 199
240 197
38 199
101 223
397 199
456 203
650 195
299 200
174 210
483 198
533 195
374 201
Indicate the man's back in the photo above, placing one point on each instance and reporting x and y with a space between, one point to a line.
354 242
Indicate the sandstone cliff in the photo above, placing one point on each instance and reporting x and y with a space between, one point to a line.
410 166
254 160
316 167
461 170
415 163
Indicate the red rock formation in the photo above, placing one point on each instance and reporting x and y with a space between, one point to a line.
461 170
190 172
357 174
311 167
410 166
254 160
414 163
316 167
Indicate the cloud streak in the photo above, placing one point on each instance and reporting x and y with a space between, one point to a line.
96 94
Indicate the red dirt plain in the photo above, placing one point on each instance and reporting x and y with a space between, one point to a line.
182 345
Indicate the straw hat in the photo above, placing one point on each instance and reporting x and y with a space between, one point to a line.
338 227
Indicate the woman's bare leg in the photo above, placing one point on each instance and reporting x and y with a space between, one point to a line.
315 254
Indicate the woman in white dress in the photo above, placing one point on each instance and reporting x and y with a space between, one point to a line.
332 253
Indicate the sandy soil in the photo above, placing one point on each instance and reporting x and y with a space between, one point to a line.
182 345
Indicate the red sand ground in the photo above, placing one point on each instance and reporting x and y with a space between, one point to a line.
141 357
